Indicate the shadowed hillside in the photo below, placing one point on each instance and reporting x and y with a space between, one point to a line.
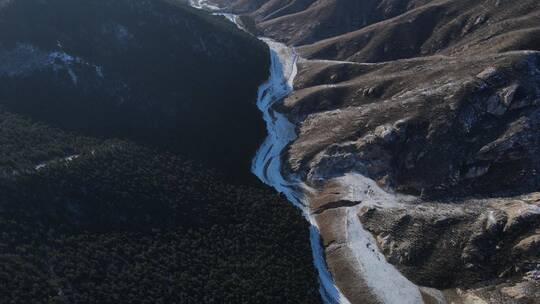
126 134
151 71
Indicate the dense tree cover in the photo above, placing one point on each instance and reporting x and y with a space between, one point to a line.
25 144
102 104
153 71
127 224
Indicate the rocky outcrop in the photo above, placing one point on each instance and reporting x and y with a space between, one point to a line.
480 243
466 251
451 245
423 126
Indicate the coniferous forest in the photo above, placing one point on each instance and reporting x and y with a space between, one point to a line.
126 133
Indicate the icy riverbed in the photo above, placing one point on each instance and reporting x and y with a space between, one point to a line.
384 281
267 161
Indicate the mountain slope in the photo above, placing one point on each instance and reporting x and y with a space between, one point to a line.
452 28
372 31
107 109
145 70
419 119
122 223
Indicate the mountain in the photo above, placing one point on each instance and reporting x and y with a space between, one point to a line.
450 28
410 140
144 70
126 134
420 120
355 30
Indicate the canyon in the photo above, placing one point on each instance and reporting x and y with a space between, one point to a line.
409 138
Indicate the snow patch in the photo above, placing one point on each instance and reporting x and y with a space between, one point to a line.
386 282
204 5
122 33
491 220
26 58
66 160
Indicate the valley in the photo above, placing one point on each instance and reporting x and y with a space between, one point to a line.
270 151
384 140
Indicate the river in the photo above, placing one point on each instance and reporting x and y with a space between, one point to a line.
383 280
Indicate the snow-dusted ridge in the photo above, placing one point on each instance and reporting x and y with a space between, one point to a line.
385 281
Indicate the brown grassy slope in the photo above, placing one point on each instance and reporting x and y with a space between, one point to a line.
448 27
425 124
329 18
